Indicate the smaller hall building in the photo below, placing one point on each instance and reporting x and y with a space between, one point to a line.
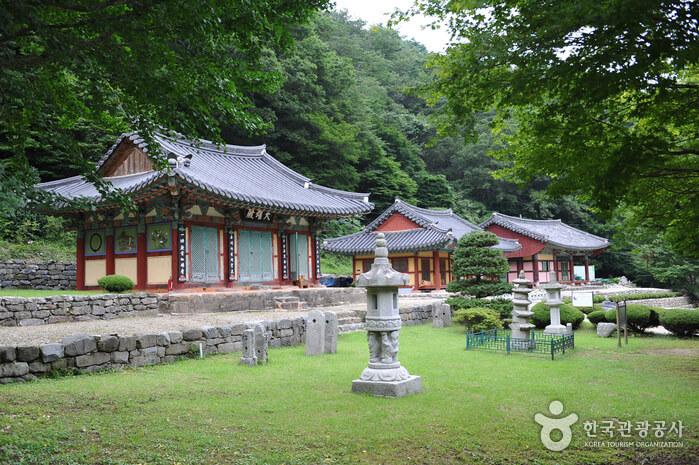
420 243
547 246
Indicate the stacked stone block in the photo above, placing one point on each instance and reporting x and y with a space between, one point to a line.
50 275
88 353
21 311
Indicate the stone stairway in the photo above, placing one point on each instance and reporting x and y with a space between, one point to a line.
349 320
290 303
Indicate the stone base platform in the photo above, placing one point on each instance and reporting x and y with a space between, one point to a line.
406 387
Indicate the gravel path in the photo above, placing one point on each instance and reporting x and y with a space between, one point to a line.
30 335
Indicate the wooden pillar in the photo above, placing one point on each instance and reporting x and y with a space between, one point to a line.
80 262
417 272
535 268
141 258
174 258
555 266
354 267
109 248
571 270
587 269
437 270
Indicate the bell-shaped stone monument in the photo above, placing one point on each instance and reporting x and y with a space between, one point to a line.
553 301
384 376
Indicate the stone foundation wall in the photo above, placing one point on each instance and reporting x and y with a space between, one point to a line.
667 302
86 354
21 311
50 275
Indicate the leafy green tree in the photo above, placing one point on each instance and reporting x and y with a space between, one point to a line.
478 266
599 98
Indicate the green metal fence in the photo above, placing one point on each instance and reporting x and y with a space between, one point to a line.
538 342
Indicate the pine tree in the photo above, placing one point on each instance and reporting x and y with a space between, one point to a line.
478 266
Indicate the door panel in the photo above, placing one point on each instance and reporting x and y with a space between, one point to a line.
205 254
298 251
255 256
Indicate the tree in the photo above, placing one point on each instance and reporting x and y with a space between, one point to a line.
478 266
598 98
107 65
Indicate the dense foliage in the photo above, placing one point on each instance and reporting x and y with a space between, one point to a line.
503 307
638 317
115 283
569 314
478 319
478 266
598 316
681 322
598 98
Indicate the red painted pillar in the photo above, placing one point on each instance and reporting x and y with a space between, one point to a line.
80 263
109 246
571 271
141 262
587 270
535 268
437 270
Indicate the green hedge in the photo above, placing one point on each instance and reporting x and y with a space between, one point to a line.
639 317
681 322
599 298
503 307
569 314
478 319
115 283
597 316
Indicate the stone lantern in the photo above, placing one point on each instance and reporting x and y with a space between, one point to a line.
384 376
553 300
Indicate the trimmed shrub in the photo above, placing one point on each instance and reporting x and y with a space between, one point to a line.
639 317
569 314
502 307
115 283
681 322
478 319
597 316
644 295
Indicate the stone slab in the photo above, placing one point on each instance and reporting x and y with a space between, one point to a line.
412 385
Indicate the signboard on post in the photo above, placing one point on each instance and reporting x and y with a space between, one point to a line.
582 299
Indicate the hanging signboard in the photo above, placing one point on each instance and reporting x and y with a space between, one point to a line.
582 299
257 214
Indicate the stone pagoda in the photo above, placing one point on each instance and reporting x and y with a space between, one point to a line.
554 301
521 314
384 376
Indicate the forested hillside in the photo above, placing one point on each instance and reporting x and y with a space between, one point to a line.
346 106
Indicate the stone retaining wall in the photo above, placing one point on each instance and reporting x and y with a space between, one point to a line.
21 311
666 302
85 354
50 275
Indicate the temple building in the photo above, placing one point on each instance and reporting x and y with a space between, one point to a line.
420 242
547 246
215 216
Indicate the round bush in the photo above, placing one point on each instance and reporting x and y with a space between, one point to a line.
569 314
115 283
502 307
478 319
597 316
681 322
639 317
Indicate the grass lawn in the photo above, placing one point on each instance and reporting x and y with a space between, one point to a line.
476 408
42 292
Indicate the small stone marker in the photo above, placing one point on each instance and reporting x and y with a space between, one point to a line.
441 315
249 358
255 346
605 329
315 332
330 343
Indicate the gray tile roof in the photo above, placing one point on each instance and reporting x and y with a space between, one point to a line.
554 232
248 176
428 238
439 228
